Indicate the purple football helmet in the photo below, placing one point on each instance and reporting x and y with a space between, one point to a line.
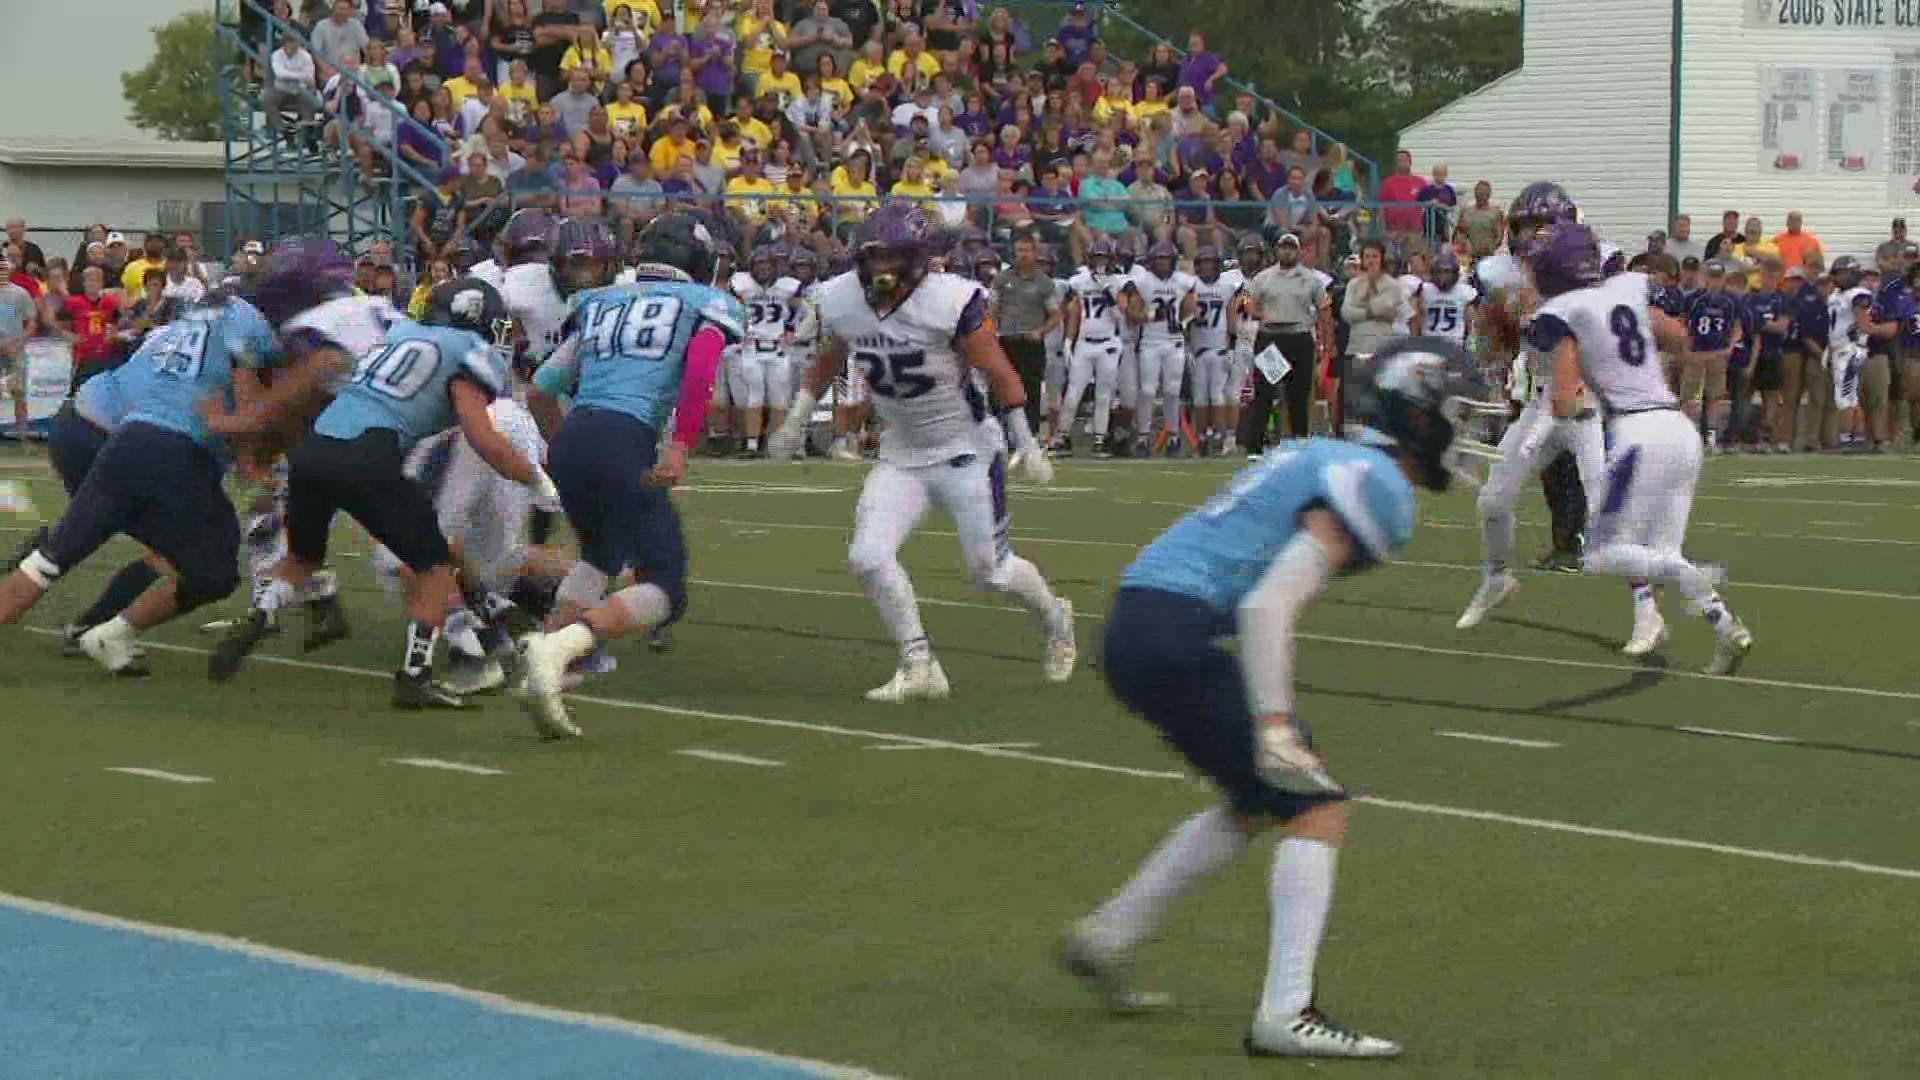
1206 263
527 236
1251 254
1159 252
804 265
1539 204
895 244
1100 255
986 265
1446 270
1566 257
582 252
764 264
318 256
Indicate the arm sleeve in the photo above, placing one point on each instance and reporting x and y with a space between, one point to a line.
1266 618
696 384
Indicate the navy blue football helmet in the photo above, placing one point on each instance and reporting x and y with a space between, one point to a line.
677 242
1539 204
1566 257
1418 398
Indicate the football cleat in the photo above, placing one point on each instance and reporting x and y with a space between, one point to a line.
916 680
112 645
70 640
1494 590
1108 975
1649 631
657 640
1062 650
1559 562
1731 648
420 691
233 650
546 667
1314 1034
326 623
475 675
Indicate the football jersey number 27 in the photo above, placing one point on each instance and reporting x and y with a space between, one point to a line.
895 375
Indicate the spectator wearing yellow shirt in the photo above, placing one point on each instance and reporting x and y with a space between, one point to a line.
627 117
646 13
778 81
522 97
913 185
466 84
729 148
1116 98
913 54
752 128
153 256
835 86
671 147
689 102
1753 247
594 57
1153 100
854 186
759 33
871 64
800 210
751 181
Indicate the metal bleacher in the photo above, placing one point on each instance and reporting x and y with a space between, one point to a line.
292 182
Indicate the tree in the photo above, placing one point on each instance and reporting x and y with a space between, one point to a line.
1357 69
176 95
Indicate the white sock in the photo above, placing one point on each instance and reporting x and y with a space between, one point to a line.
1198 848
575 641
1022 580
1666 567
892 592
1496 531
1301 892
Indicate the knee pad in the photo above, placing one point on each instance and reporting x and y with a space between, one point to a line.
865 564
583 587
198 590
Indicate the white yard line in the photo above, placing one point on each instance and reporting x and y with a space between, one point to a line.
970 746
1750 736
1530 744
162 774
987 750
381 977
447 766
729 758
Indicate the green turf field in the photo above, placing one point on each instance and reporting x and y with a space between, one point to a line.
1607 895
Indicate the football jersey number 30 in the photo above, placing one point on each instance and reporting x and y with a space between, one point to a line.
895 375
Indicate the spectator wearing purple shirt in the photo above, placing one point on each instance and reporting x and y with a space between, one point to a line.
1076 35
1011 156
1266 175
1201 152
666 52
975 121
1201 69
711 57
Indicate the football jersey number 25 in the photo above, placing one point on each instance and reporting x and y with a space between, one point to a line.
895 375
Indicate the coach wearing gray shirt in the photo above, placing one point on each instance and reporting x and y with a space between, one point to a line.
1026 307
1288 299
18 317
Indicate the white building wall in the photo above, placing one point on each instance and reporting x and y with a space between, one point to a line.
73 197
1587 108
1720 125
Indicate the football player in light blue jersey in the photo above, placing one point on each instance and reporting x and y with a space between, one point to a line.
1246 564
632 354
420 381
157 480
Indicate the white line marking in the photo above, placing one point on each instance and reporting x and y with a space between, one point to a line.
1400 646
1530 744
449 766
970 746
1548 824
1025 538
381 977
1748 735
162 774
1840 523
731 759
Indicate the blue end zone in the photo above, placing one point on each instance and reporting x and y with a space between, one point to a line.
82 995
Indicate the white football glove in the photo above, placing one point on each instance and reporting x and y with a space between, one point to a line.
1284 760
1034 464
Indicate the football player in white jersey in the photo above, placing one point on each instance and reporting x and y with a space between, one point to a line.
1210 338
1446 302
1603 331
1847 338
1095 324
758 378
919 338
1536 437
1162 305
